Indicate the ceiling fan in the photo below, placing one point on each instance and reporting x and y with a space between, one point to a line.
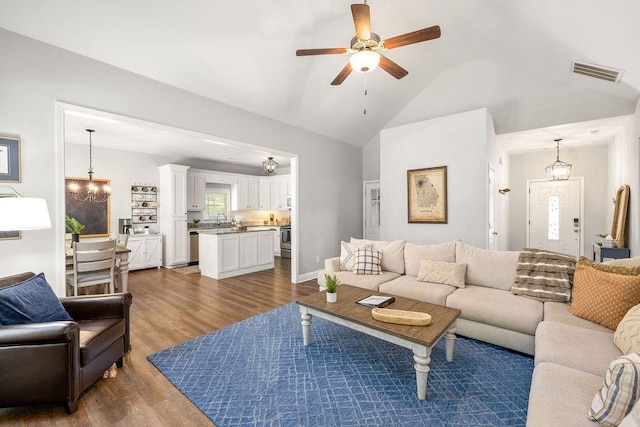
366 46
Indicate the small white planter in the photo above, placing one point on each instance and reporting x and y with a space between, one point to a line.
332 297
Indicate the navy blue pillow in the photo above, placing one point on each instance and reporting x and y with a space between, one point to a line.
31 301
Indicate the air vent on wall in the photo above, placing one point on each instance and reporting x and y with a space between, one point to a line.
597 71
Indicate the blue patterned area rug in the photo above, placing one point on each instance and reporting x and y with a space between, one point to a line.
257 372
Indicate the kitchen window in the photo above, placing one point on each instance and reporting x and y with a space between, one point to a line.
216 201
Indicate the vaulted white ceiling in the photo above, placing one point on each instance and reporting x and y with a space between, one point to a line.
511 56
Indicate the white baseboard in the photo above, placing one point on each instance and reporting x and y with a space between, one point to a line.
308 276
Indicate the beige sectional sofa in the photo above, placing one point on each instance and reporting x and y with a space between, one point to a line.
572 354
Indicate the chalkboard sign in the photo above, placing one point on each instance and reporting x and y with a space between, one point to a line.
93 215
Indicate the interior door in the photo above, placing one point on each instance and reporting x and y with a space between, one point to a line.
371 210
491 230
555 218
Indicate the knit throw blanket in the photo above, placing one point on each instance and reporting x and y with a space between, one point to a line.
544 275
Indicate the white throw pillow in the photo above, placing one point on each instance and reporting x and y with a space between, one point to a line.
627 335
392 253
347 251
633 418
447 273
367 261
619 393
414 253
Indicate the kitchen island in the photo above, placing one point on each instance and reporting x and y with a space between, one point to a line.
229 253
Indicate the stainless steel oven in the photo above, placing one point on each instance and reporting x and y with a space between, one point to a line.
285 241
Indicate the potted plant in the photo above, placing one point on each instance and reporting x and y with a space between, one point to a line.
73 227
331 283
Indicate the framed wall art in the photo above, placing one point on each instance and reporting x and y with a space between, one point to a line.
427 195
10 159
93 215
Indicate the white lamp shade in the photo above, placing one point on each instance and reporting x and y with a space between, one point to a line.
23 213
364 61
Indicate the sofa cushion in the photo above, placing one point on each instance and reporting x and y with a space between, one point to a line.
580 348
561 396
624 262
603 297
447 273
347 252
628 269
493 269
544 275
367 261
31 301
506 311
414 253
627 334
410 287
392 253
371 282
619 393
559 312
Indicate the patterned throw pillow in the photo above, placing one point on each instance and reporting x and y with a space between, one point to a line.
619 393
447 273
603 298
367 261
627 336
611 268
347 251
544 275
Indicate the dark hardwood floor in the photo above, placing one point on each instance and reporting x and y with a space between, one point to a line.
168 308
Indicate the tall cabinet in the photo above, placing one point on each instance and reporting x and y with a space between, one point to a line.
172 207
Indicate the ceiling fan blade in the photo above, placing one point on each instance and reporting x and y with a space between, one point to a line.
392 68
342 75
328 51
362 21
413 37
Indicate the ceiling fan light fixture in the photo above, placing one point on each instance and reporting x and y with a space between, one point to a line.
365 61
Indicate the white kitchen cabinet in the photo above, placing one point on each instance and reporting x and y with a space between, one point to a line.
225 255
195 191
248 249
172 214
276 241
146 251
248 190
274 192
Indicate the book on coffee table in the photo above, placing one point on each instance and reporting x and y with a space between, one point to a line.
375 301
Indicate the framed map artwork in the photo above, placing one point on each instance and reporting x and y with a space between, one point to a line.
427 195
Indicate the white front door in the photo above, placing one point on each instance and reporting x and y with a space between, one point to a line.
372 210
555 217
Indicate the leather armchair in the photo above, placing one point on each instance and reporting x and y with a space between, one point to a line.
55 362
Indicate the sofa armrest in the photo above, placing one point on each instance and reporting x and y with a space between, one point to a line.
332 264
39 333
93 307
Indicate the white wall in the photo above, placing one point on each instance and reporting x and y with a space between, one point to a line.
330 172
460 142
371 160
588 162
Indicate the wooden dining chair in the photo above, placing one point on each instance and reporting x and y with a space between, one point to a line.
121 241
93 264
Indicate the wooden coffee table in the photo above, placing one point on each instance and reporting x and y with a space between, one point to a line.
420 339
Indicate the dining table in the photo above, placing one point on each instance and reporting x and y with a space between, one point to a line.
122 254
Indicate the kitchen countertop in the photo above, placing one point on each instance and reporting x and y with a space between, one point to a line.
230 231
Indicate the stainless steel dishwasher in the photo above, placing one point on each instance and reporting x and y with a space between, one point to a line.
194 250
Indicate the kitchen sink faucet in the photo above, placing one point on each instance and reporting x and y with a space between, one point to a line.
218 218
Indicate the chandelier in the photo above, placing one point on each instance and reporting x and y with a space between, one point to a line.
558 170
90 192
270 166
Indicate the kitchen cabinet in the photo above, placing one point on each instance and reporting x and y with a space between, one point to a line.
276 241
173 214
247 194
146 251
274 192
195 191
228 254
